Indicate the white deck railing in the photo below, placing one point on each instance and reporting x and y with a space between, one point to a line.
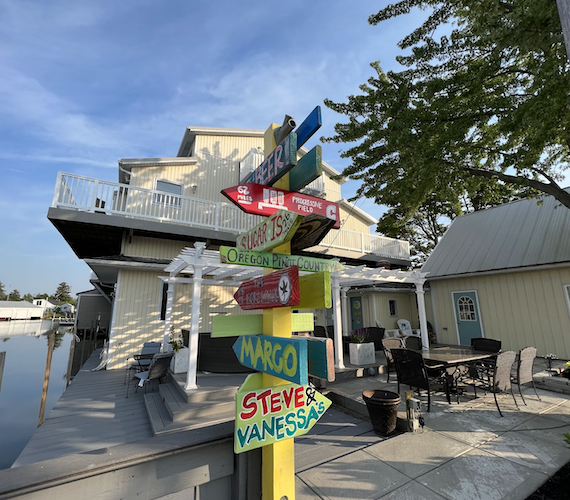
85 194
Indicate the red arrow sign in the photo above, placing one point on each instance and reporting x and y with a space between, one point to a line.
278 289
257 199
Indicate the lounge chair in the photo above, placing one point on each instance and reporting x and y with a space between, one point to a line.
157 370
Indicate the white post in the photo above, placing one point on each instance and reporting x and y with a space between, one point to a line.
168 314
344 312
58 190
337 322
195 318
422 312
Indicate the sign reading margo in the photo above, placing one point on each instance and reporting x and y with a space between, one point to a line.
265 415
272 232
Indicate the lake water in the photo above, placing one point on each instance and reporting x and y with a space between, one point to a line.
26 347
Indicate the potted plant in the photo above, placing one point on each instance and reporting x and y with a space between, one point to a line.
361 348
179 363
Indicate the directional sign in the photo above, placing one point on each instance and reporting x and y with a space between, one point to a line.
257 199
231 255
315 290
265 415
311 232
278 289
252 324
283 357
272 232
311 124
277 164
308 168
321 358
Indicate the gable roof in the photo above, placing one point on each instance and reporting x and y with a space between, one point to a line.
521 234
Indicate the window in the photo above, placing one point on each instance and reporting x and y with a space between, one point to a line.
173 190
393 307
466 308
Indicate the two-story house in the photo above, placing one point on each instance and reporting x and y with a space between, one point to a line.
129 231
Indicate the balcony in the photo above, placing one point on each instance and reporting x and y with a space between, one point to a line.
83 194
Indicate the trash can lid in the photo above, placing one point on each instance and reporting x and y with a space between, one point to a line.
381 395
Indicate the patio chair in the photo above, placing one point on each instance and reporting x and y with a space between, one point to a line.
524 369
484 369
157 370
413 342
502 376
387 345
142 361
411 370
405 327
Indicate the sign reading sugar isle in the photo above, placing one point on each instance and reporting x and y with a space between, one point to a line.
265 415
231 255
257 199
277 229
278 289
283 357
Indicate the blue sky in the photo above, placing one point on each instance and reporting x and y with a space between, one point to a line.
86 83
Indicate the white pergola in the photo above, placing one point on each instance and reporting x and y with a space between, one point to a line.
200 266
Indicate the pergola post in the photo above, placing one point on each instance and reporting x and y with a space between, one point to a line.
344 312
422 312
337 321
193 338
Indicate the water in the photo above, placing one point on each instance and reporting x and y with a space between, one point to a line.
26 346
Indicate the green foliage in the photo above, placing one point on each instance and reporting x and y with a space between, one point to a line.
477 116
567 438
360 336
63 293
3 295
14 295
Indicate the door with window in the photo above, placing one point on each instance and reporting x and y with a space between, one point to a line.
357 319
467 316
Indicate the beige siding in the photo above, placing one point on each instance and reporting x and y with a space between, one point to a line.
352 222
332 189
520 309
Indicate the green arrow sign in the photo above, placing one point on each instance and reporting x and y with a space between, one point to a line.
231 255
275 230
265 415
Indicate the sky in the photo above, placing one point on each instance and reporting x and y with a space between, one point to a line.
86 83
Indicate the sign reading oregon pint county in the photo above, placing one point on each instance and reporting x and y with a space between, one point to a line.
265 415
277 229
277 164
231 255
257 199
278 289
283 357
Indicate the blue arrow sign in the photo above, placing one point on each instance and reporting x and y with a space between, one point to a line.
311 124
282 357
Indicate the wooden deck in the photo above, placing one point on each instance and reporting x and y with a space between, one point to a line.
93 413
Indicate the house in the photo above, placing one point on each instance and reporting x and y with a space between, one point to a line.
19 310
129 231
504 273
93 311
45 304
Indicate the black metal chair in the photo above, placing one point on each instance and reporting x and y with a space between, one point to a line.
413 342
411 370
387 345
524 369
142 361
484 369
157 370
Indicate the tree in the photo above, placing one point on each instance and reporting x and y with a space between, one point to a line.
485 105
63 293
14 295
28 297
3 295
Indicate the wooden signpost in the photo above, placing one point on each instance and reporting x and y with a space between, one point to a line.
278 289
257 199
268 415
308 169
277 163
252 324
311 232
309 126
231 255
272 232
281 357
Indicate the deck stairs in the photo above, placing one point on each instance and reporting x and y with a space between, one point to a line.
172 409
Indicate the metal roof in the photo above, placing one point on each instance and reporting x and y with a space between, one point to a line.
521 234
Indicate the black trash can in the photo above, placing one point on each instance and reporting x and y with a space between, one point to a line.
383 410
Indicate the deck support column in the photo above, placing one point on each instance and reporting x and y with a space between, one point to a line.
195 318
422 312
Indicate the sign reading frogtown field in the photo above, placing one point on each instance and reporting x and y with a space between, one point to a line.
265 415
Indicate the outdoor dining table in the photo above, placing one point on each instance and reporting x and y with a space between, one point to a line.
452 356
